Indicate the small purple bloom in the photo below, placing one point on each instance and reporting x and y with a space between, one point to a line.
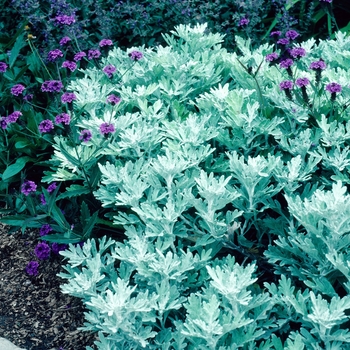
78 56
276 33
287 63
46 126
105 42
297 52
12 118
42 250
243 22
54 54
52 187
64 19
56 248
106 129
85 135
93 54
283 41
329 1
3 67
3 123
28 97
136 55
302 82
318 65
32 268
109 70
42 199
28 187
72 66
51 86
63 118
286 85
271 57
68 97
65 40
292 34
17 90
333 88
45 229
113 99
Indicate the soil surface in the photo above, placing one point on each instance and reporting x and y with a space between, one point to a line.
34 313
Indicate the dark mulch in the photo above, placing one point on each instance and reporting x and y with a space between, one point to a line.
34 314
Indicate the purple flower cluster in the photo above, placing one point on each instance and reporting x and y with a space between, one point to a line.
136 55
287 63
333 88
28 187
109 70
318 65
72 66
276 33
105 42
106 129
51 187
271 57
45 229
113 99
11 118
93 54
63 118
85 135
32 268
64 19
17 90
292 34
329 1
243 22
53 55
283 41
65 40
78 56
302 82
56 247
3 67
297 52
46 126
68 97
42 251
51 86
286 85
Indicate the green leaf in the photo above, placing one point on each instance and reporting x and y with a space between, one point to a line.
89 226
23 220
19 44
67 238
73 191
15 168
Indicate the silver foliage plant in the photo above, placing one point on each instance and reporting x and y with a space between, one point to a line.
211 162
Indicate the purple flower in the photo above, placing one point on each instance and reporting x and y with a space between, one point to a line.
51 86
42 250
302 82
333 88
46 126
72 66
275 33
113 99
287 63
243 21
64 19
28 97
65 40
28 187
93 54
52 187
42 199
292 34
63 118
329 1
32 268
105 42
17 90
297 52
109 70
54 54
12 118
85 135
68 97
56 248
3 123
283 41
45 229
286 85
135 55
318 65
106 129
271 57
3 67
78 56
